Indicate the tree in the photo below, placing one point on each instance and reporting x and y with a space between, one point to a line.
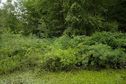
48 18
118 12
10 18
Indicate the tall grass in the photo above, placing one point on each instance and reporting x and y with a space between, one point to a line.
18 52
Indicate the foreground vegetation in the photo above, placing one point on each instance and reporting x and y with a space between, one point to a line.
66 41
100 51
73 77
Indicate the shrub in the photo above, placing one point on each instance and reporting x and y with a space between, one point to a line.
58 60
115 40
20 53
62 42
101 56
102 50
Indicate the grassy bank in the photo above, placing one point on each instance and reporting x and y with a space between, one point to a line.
72 77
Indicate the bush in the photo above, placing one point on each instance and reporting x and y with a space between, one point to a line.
115 40
98 51
101 56
58 60
102 50
20 53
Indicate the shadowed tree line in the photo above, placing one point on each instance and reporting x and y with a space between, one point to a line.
50 18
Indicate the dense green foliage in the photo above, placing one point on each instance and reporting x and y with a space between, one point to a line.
95 52
65 53
19 53
62 35
48 18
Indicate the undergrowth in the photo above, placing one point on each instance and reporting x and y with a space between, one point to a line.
101 50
